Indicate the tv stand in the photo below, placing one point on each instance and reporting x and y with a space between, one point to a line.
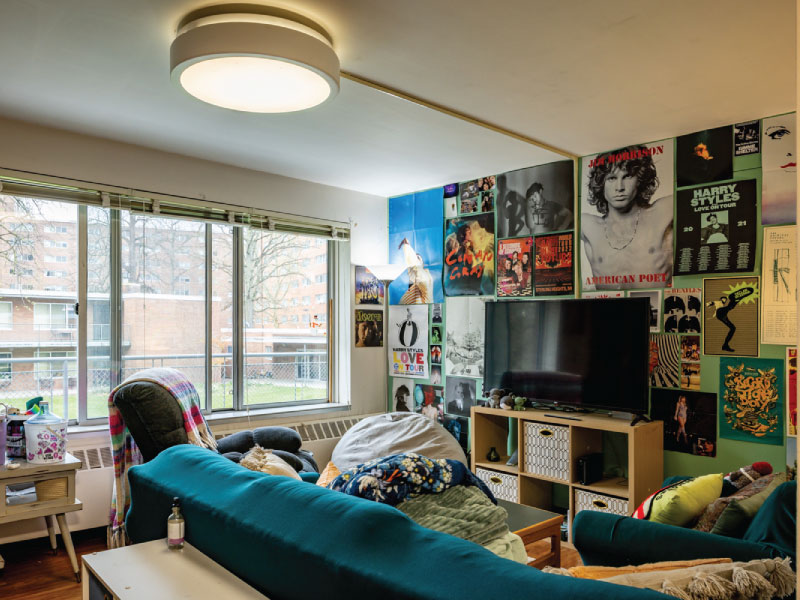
640 419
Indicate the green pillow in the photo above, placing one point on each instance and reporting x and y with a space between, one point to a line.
736 517
682 503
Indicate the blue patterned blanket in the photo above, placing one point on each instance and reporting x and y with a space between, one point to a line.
393 479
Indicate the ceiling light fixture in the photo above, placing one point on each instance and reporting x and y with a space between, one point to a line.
255 59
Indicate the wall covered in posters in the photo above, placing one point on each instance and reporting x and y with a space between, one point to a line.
680 221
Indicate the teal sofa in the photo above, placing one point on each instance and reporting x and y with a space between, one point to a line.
293 540
611 540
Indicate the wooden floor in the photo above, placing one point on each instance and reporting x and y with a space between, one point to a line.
33 573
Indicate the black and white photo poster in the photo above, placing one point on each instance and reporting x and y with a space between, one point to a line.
716 228
535 200
402 395
408 341
460 395
626 218
465 332
683 310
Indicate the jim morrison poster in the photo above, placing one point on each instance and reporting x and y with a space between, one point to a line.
408 341
626 221
716 228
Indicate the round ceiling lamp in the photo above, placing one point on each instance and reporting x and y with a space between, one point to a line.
255 59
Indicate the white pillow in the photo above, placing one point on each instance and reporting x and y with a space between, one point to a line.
260 459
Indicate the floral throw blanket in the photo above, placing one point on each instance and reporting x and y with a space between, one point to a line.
393 479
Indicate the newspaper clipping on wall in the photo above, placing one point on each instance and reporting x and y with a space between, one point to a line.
408 341
779 283
716 228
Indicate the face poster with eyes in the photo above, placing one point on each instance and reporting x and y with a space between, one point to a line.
626 218
778 168
717 228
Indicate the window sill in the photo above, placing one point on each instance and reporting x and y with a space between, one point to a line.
222 418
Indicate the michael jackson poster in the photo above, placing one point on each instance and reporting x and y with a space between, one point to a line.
553 265
514 267
408 341
716 229
469 256
626 220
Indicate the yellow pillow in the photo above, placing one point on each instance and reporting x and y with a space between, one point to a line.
682 503
329 473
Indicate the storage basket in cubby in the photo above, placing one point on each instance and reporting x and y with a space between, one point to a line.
503 485
586 500
547 450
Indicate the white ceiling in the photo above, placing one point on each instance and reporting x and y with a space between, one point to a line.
583 76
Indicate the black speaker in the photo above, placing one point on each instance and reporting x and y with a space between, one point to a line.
590 468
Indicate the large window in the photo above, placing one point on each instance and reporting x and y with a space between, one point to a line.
242 310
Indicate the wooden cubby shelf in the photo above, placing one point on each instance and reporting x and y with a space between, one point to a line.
642 460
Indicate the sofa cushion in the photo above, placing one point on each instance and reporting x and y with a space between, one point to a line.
395 433
329 473
683 502
265 461
712 512
736 517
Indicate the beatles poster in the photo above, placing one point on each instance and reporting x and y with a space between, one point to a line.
536 200
665 360
553 265
747 138
716 228
683 309
369 290
730 316
402 400
690 420
778 171
469 256
791 391
408 341
779 282
705 156
752 402
654 298
626 218
514 267
369 328
464 333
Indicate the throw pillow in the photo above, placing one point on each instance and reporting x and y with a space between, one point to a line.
683 502
329 473
713 511
736 517
259 459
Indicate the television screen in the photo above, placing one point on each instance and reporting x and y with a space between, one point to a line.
583 353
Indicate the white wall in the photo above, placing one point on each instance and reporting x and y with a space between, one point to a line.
57 153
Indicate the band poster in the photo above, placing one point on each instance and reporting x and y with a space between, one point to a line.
369 328
514 267
791 391
730 316
778 170
369 290
716 228
627 218
779 279
553 265
683 309
408 341
747 138
464 334
752 403
690 420
469 256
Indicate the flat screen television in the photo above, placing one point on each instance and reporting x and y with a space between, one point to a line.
589 354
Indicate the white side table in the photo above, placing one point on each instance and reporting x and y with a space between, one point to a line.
153 571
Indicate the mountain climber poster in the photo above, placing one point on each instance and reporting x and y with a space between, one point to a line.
751 395
514 267
779 282
402 400
683 308
690 420
369 328
716 228
408 341
730 316
536 200
369 290
654 297
469 256
747 138
464 334
553 274
665 360
415 240
778 170
791 391
626 218
704 156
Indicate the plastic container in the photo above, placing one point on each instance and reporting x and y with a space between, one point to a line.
46 437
